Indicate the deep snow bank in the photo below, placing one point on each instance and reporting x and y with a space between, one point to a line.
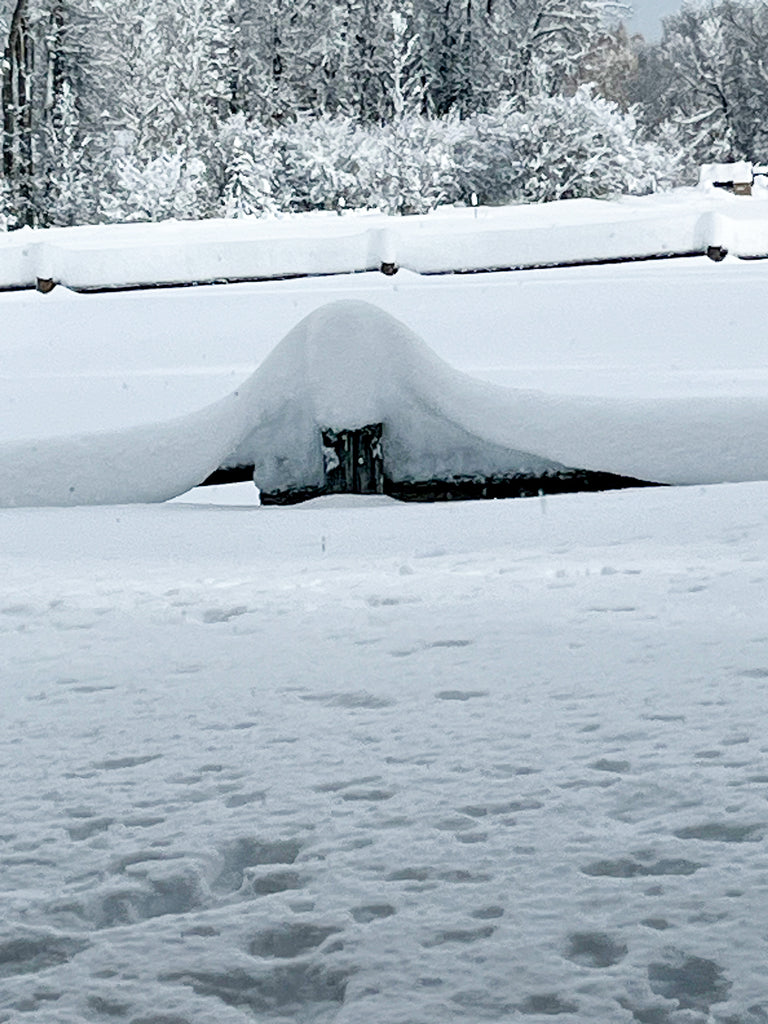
349 364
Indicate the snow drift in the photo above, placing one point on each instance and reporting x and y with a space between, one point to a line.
349 364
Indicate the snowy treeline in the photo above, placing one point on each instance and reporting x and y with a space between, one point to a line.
708 77
120 110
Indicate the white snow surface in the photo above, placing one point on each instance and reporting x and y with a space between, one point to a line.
498 761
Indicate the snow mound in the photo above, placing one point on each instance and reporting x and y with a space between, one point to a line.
349 364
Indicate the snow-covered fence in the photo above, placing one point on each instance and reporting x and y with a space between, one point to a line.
575 231
351 373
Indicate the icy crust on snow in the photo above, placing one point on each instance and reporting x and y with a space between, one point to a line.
349 364
567 231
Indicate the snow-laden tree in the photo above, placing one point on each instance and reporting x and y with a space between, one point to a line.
419 169
170 186
699 83
157 69
66 193
7 215
611 65
708 78
144 109
477 53
319 165
561 148
540 43
34 67
248 168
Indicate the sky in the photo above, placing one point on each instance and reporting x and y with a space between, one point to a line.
647 15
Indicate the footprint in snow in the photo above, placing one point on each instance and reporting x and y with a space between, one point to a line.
549 1003
695 982
246 853
31 951
369 912
289 940
113 764
352 699
594 949
462 936
615 767
720 832
628 867
213 615
462 695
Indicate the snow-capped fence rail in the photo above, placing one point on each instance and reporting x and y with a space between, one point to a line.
443 433
683 223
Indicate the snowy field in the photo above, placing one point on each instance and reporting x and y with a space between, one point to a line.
406 764
359 761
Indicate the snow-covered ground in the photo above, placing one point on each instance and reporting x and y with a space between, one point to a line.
361 761
406 764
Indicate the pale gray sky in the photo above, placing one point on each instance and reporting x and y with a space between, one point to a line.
648 14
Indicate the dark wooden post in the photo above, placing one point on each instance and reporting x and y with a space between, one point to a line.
353 460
